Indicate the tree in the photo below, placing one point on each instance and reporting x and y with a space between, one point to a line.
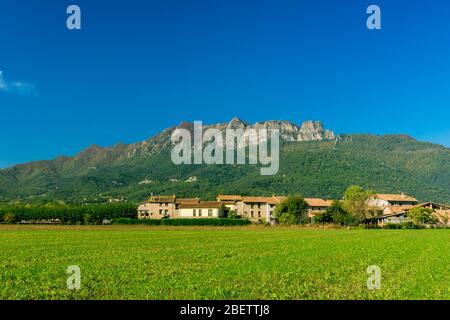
323 217
420 215
293 210
339 214
355 201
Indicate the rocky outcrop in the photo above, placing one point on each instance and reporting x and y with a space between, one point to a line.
308 131
314 131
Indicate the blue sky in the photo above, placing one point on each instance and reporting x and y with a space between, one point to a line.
137 67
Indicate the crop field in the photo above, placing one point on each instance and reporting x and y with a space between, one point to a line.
142 262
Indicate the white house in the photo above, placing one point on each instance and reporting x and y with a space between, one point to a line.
203 209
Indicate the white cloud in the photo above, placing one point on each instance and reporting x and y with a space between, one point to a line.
15 86
2 81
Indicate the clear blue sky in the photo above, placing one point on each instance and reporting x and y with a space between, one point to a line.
137 67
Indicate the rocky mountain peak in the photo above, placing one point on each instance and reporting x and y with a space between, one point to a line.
236 123
313 131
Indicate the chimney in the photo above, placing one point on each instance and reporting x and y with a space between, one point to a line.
403 195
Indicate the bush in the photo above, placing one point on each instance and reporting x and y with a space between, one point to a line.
372 226
87 218
184 222
410 225
392 226
404 225
9 218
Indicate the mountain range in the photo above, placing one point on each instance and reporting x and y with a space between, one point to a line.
314 162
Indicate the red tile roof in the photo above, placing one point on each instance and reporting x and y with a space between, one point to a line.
395 197
317 202
225 197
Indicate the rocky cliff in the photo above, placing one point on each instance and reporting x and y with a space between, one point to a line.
308 131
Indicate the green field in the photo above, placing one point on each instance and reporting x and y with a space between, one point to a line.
139 262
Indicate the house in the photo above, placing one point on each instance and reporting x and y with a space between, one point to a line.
382 200
399 214
317 205
180 201
202 209
158 207
258 208
230 202
393 207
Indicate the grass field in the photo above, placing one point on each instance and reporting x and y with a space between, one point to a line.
138 262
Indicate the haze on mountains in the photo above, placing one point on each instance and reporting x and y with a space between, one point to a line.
314 162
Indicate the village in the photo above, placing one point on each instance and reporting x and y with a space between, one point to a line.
390 208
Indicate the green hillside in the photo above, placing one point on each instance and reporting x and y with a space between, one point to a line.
388 164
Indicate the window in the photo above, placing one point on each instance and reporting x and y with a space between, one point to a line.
252 214
259 205
160 211
199 212
209 212
259 214
195 213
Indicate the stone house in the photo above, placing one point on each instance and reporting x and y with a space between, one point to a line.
317 205
258 208
382 201
158 207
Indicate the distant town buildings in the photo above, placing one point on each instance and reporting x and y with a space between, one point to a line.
255 208
392 208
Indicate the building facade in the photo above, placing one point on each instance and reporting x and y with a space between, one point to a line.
203 209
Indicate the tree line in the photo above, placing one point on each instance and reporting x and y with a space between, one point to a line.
66 214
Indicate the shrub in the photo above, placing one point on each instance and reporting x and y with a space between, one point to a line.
9 218
410 225
392 226
323 217
372 226
404 225
86 218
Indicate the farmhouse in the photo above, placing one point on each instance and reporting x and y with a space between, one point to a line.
202 209
382 201
399 214
258 208
158 207
317 205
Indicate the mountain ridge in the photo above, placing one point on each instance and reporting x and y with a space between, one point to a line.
309 153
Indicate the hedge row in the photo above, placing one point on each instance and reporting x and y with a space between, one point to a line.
67 214
404 225
184 222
